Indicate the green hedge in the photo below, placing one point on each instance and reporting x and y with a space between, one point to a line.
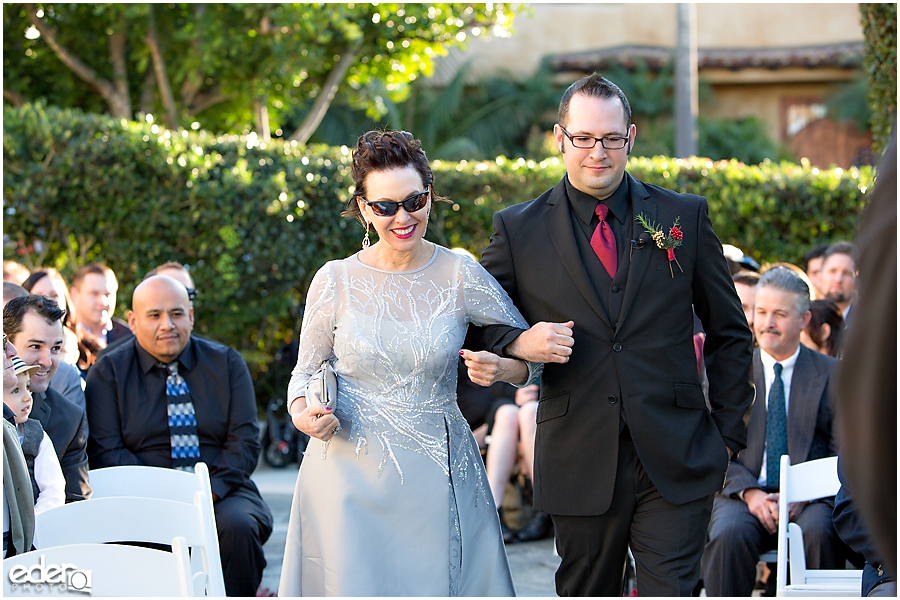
255 221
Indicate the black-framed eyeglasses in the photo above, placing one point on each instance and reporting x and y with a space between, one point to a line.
192 294
586 142
389 208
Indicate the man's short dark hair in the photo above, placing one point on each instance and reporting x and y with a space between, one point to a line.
172 264
91 269
745 277
16 309
843 247
813 254
597 86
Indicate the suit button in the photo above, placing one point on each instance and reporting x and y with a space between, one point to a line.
615 288
617 347
612 399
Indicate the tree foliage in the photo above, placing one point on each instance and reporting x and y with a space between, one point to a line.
231 67
880 64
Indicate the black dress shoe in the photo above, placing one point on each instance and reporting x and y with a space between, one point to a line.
508 535
540 527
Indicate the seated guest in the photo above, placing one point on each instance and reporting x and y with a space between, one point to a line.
81 347
825 329
93 293
812 261
47 482
509 416
34 324
793 415
18 499
165 370
848 521
67 379
839 277
13 272
745 286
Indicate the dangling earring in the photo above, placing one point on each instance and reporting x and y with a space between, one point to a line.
366 243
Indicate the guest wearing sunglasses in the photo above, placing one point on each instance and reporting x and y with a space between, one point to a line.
393 500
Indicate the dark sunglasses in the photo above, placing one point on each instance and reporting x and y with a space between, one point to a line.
192 294
389 208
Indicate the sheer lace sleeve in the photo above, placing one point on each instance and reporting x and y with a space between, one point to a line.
317 333
487 303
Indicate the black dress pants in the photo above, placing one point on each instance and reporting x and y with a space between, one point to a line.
666 539
244 523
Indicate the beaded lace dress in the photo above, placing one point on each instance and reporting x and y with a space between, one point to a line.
398 503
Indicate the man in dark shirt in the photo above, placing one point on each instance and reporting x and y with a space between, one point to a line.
127 395
34 325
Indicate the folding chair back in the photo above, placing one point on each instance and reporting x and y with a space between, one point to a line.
100 570
168 484
804 482
130 519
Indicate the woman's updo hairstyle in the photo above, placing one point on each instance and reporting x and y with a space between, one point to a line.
383 151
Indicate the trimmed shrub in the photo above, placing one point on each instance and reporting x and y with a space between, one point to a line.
255 221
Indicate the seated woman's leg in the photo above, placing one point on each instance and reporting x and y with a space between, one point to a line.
502 450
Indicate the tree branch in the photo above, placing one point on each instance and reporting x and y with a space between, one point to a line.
14 98
159 67
204 101
194 80
326 96
88 75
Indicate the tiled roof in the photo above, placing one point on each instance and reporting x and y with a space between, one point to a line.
847 55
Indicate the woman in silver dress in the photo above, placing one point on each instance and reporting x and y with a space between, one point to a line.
393 500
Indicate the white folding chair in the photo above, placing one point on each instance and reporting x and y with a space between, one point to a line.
99 570
807 481
169 484
132 519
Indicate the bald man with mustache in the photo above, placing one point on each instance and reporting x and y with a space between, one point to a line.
165 370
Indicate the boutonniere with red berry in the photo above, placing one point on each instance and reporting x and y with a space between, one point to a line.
667 242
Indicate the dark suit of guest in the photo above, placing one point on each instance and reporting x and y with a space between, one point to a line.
736 536
625 423
127 406
66 424
119 331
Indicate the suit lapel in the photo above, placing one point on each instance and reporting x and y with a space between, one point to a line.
640 256
807 385
560 230
756 431
40 410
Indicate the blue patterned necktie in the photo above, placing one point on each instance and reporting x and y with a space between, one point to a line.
182 421
776 431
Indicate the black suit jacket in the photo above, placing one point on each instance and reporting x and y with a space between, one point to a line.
126 400
634 353
119 331
66 424
810 420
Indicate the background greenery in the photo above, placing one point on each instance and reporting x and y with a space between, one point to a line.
255 221
880 64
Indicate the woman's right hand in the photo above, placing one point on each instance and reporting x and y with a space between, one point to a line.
315 421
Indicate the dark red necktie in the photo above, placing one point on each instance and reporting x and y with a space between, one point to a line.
603 242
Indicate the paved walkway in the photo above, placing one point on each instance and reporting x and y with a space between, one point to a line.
533 564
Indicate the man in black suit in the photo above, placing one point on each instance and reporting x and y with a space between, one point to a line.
627 451
745 514
131 393
93 293
34 325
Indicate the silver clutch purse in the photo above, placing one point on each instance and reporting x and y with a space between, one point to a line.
322 387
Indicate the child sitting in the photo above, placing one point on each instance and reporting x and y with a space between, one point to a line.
47 481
